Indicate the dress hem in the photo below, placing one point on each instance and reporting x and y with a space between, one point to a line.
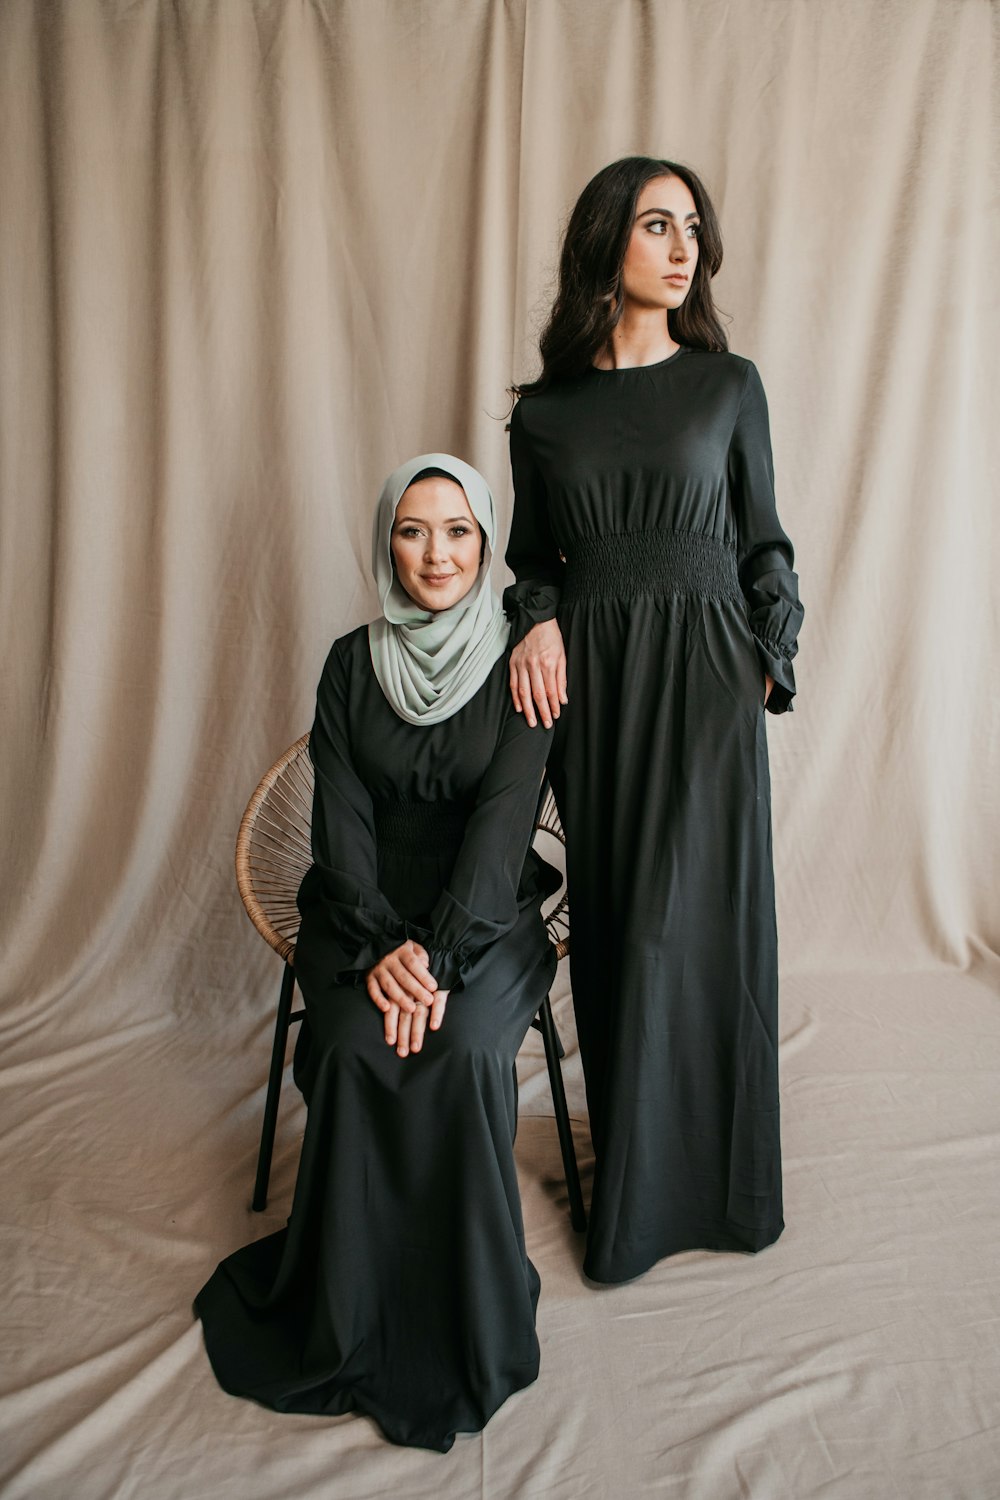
346 1402
717 1245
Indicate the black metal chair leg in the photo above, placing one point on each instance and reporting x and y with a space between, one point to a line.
550 1037
273 1089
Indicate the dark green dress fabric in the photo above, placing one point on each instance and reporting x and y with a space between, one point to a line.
644 519
401 1287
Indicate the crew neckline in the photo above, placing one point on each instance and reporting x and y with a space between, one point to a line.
657 364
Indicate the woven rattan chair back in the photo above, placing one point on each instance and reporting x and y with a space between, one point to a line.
273 852
548 825
273 848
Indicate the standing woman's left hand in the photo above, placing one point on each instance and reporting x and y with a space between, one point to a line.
405 1029
768 685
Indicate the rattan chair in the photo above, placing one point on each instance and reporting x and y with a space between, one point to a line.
273 852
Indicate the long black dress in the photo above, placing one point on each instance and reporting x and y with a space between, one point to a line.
401 1287
644 518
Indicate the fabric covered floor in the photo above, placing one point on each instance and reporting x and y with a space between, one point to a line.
856 1358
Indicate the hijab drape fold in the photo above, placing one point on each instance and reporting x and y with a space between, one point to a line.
430 664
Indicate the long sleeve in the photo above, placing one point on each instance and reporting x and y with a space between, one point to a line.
764 551
532 554
480 902
344 876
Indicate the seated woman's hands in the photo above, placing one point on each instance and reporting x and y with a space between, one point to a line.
402 978
407 994
405 1029
538 673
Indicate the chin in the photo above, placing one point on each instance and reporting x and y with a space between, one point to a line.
435 602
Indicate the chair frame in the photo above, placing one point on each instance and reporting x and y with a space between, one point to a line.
279 897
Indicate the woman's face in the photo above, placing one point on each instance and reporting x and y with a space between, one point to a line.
436 543
663 249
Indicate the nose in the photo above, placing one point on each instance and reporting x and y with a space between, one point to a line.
435 550
680 250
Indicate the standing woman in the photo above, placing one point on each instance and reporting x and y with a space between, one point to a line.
655 583
401 1287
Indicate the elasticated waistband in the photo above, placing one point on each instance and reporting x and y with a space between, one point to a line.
420 827
649 562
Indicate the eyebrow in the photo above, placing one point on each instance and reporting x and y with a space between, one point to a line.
666 213
419 521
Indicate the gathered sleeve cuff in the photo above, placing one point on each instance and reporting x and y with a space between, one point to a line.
358 922
775 617
765 554
533 555
483 897
456 939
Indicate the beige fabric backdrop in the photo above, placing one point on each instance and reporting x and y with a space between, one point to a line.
252 255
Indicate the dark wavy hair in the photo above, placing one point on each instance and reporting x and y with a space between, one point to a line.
589 300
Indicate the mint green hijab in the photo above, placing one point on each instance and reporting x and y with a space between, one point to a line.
430 664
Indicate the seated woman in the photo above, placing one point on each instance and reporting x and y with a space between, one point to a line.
401 1287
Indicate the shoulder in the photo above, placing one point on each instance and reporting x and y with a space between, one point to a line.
730 371
728 383
347 655
531 412
492 699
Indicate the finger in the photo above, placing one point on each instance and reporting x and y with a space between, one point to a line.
561 677
415 992
437 1009
551 689
540 695
403 967
412 946
514 691
375 992
524 685
394 991
418 1026
390 1024
403 1036
415 965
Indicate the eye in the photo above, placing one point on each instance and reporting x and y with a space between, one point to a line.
694 230
657 226
408 532
460 531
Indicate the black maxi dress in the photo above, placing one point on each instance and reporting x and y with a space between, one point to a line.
401 1287
644 519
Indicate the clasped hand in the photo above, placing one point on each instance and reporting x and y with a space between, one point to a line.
407 994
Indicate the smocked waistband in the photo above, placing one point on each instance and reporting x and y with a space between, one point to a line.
432 828
649 562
